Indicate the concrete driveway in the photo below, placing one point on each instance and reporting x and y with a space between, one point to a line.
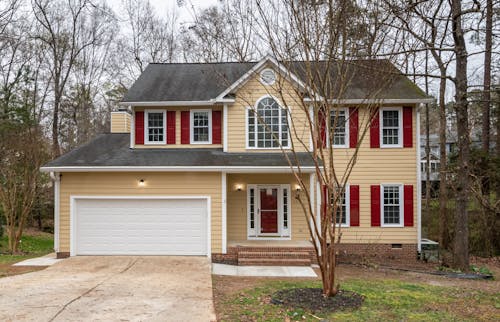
112 288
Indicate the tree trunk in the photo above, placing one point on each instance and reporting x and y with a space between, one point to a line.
56 151
461 238
443 161
486 101
427 143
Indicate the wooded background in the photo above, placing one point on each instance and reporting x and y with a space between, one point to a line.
65 64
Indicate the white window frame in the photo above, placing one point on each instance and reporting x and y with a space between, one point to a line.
191 126
401 205
254 110
347 214
261 78
146 127
400 127
332 131
283 233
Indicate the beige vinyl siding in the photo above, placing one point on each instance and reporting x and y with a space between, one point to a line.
237 204
247 96
126 184
375 167
120 122
178 128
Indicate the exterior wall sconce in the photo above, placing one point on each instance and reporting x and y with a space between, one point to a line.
238 187
142 183
297 188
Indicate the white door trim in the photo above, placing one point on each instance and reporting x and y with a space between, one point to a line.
74 198
280 235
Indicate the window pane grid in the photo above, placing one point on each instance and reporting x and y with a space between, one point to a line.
267 125
201 127
341 206
252 208
391 205
155 127
390 127
338 123
285 208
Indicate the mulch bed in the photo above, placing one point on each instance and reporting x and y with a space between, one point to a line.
312 299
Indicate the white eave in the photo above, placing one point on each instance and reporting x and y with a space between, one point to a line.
428 100
178 103
227 169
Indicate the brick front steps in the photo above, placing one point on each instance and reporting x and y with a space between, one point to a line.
266 256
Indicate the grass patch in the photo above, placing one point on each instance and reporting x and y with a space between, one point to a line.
384 300
30 246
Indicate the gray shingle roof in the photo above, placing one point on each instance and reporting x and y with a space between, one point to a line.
185 82
113 150
205 81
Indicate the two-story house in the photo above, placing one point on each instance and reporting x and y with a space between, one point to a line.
188 169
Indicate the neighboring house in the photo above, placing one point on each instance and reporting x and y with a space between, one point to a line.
190 172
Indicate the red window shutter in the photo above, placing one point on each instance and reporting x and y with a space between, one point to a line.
375 194
354 205
170 127
185 127
407 127
322 128
375 131
353 127
139 127
216 127
408 206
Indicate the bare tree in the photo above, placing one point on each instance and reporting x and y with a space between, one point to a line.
223 32
150 38
65 28
315 41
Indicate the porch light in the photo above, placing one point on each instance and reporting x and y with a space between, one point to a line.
298 188
142 183
238 187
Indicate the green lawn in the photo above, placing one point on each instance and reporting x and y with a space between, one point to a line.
31 246
385 300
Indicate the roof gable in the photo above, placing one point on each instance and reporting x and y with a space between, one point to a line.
182 83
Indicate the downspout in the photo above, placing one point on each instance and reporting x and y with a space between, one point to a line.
56 178
419 187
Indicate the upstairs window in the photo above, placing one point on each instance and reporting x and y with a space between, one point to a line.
201 124
391 123
338 124
267 125
342 213
392 205
155 127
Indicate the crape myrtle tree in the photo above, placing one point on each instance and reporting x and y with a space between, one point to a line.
319 42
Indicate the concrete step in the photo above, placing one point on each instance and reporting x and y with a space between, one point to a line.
273 262
275 255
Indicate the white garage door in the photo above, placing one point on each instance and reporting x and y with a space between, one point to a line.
140 227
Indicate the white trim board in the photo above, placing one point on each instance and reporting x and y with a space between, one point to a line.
177 103
74 198
228 169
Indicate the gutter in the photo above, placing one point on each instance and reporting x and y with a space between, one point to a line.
178 103
228 169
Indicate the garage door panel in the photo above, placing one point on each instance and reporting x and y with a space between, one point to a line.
141 226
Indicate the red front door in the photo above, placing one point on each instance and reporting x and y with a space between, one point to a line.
269 210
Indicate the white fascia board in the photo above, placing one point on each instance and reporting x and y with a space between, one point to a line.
177 103
377 101
268 58
234 169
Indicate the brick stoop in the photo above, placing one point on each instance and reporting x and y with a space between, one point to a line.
267 256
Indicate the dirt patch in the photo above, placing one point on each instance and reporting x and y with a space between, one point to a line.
9 270
312 299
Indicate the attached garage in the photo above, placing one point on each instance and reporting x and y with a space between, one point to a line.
139 226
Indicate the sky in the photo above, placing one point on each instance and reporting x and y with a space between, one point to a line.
162 6
185 15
